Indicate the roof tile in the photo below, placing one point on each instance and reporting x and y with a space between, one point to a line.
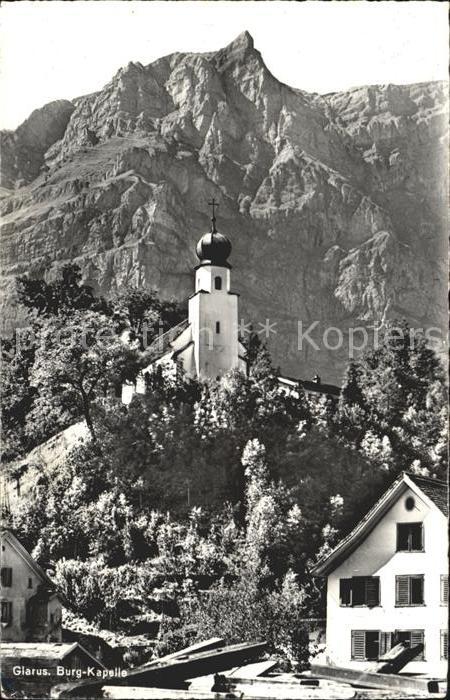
437 491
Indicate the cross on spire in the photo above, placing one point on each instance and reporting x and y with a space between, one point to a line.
213 204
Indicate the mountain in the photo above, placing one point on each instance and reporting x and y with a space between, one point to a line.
335 204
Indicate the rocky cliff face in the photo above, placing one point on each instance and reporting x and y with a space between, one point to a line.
23 150
335 204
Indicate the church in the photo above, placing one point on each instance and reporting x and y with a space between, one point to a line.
206 345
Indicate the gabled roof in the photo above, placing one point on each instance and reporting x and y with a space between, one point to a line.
320 388
432 491
46 651
436 491
182 349
163 343
310 386
7 535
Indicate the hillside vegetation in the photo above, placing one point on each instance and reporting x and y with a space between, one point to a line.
202 506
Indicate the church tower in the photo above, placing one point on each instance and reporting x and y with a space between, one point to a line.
206 344
213 308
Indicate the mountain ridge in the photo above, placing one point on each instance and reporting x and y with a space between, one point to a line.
334 204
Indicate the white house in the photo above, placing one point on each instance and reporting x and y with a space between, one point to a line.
30 604
388 580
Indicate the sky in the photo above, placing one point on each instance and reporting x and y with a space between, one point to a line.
53 50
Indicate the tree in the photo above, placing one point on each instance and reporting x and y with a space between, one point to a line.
30 413
353 410
37 406
387 397
240 408
64 295
17 393
116 529
111 597
240 612
29 517
139 447
144 315
274 520
259 361
64 532
79 359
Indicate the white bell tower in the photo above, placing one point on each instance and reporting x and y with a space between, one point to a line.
213 308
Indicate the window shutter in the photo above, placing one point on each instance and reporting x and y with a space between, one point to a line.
417 637
444 645
372 591
345 586
6 616
444 589
358 645
402 590
385 642
6 576
416 590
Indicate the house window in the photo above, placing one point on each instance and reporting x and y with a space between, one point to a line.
6 614
359 590
444 645
217 326
30 583
409 537
409 590
365 645
6 576
411 638
217 283
444 589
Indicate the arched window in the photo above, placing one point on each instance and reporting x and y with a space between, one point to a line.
218 283
217 326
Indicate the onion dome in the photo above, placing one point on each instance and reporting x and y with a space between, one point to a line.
213 248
